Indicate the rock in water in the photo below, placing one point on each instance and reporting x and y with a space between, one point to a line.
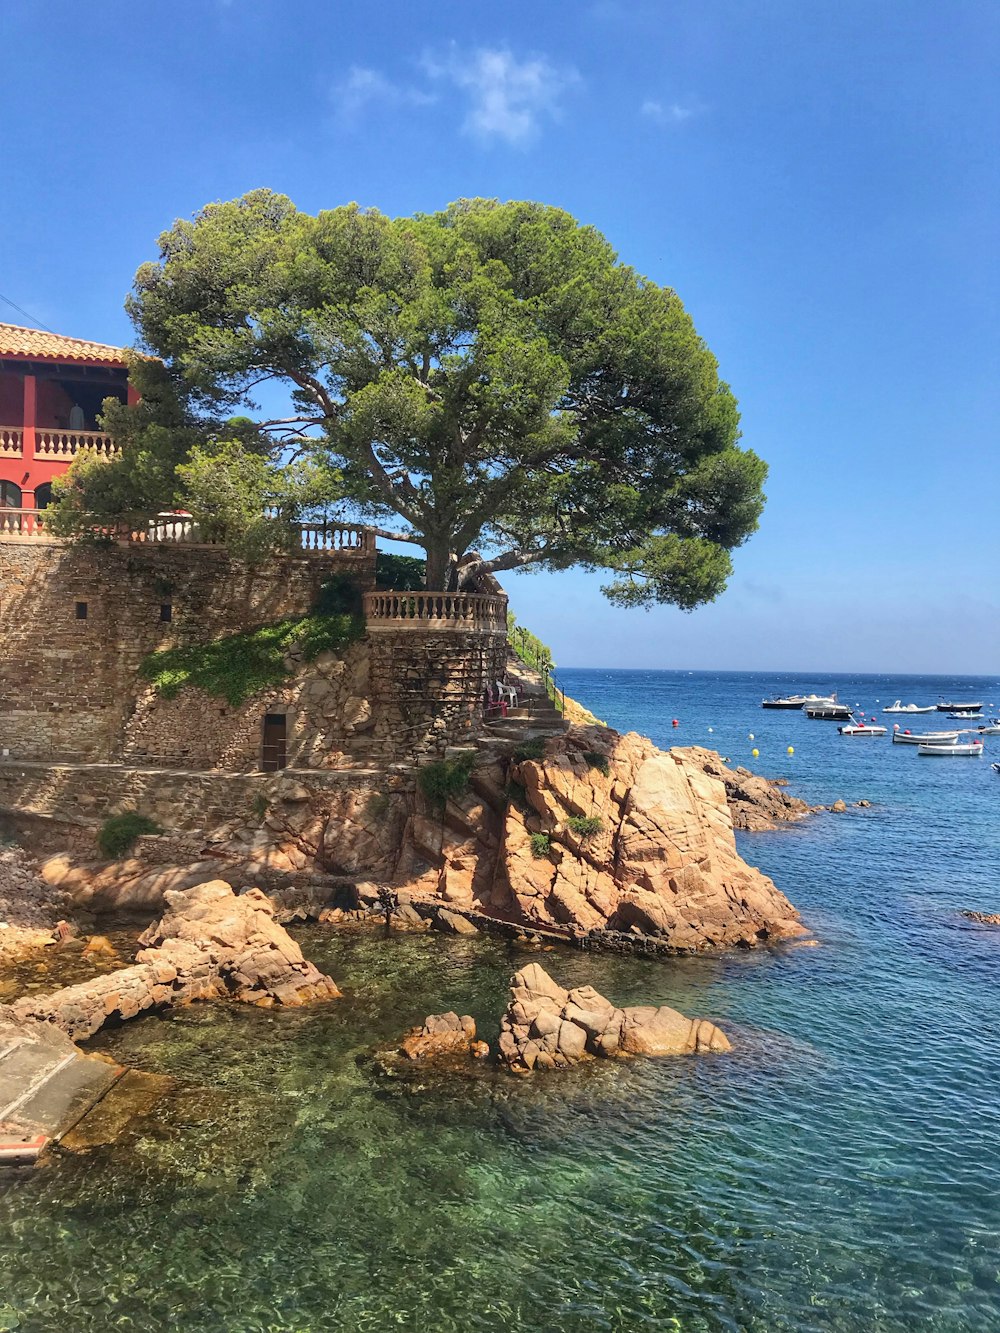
640 840
547 1027
444 1039
209 943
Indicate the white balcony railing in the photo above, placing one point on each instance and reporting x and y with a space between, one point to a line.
56 445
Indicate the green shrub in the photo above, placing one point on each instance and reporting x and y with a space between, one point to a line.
377 805
584 826
257 805
117 834
595 759
517 795
541 845
340 595
533 749
240 665
446 779
399 573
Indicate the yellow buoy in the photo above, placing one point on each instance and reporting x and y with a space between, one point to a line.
755 753
791 749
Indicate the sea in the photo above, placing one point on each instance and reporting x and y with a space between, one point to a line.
839 1170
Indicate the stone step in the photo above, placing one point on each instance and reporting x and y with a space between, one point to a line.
46 1085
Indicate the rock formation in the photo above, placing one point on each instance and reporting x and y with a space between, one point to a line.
444 1039
616 835
547 1027
601 835
209 943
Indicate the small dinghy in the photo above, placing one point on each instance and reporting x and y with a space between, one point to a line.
995 768
862 729
968 716
927 738
992 727
969 750
898 707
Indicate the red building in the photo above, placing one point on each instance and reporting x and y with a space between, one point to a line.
51 390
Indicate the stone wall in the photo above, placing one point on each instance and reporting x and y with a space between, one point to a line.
76 622
427 687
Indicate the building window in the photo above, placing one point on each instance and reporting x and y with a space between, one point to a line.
81 610
166 611
43 495
10 495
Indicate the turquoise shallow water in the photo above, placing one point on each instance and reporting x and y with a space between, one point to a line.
838 1171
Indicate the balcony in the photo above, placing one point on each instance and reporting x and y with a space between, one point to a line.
334 539
430 612
56 446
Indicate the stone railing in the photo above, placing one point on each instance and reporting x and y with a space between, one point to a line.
65 444
56 445
181 529
26 523
11 442
477 612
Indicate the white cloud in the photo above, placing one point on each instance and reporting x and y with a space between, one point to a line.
365 87
507 98
671 114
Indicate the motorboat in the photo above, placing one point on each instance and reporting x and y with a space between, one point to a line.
968 749
992 728
862 729
797 700
928 738
959 708
829 710
965 714
898 707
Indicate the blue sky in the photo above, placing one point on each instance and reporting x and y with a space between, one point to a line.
817 182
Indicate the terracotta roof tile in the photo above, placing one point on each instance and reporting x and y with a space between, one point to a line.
18 341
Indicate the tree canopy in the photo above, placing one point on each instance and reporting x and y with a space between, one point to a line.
489 379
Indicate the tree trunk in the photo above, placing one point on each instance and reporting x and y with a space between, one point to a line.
440 569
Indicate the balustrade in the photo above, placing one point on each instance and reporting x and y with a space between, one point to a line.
65 444
480 612
22 522
11 442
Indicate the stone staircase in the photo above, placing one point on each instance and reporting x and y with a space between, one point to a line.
536 717
46 1086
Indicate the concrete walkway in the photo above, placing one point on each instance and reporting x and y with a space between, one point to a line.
46 1086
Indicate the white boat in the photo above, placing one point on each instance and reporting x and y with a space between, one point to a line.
862 729
991 729
898 707
965 715
791 701
969 750
830 710
928 738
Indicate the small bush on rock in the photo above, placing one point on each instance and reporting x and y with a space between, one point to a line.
533 749
446 779
594 759
584 826
117 834
541 845
517 795
377 805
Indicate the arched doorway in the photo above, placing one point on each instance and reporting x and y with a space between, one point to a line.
43 495
10 495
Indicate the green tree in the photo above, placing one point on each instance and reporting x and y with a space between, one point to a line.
488 382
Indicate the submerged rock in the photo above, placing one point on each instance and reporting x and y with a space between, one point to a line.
984 918
547 1027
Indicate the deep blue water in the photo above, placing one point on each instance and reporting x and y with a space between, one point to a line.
838 1171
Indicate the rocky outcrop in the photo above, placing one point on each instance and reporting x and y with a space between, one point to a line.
444 1039
984 918
756 804
548 1027
29 910
615 835
209 943
598 835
